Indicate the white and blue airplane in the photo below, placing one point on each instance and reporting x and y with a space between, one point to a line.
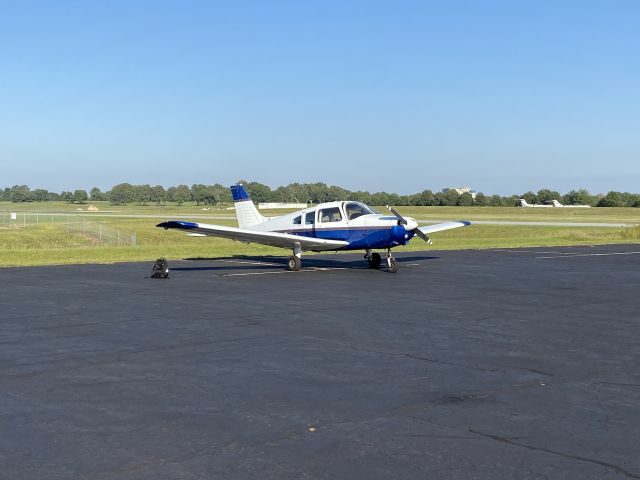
332 226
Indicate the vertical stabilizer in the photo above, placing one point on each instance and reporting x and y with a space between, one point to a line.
246 211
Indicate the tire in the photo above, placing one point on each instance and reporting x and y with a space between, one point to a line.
294 264
392 265
375 260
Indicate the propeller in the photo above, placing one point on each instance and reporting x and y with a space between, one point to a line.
410 225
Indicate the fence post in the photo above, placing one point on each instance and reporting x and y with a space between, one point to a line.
100 234
84 226
134 240
118 237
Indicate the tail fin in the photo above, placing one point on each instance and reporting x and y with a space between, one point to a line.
246 211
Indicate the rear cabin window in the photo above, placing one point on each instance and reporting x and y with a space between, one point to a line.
330 215
297 220
310 218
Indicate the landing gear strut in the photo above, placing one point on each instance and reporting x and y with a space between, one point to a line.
392 263
295 261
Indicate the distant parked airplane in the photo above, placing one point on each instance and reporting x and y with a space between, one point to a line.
553 204
327 226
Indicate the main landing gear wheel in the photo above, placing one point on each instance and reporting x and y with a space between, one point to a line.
294 264
374 260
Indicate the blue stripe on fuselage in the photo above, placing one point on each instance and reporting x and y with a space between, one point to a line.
360 238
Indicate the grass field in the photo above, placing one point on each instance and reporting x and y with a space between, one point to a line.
46 244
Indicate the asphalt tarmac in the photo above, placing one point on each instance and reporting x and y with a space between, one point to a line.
471 364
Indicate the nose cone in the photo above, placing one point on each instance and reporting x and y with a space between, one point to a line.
411 224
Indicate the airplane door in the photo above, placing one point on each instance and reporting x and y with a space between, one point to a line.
331 223
310 222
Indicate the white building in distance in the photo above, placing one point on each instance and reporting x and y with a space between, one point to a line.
461 190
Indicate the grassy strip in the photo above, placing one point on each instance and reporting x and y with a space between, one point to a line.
604 215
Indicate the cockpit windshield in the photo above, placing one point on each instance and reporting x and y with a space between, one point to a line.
357 209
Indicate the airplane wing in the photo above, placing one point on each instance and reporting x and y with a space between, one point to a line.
439 227
275 239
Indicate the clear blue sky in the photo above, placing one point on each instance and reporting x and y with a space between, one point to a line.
503 96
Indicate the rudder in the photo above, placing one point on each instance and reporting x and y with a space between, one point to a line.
246 211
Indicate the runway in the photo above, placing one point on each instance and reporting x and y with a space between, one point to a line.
483 364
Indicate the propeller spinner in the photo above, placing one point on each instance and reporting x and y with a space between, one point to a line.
409 224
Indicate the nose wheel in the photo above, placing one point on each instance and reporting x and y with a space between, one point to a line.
392 265
375 260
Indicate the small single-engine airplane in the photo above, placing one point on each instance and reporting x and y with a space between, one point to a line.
329 226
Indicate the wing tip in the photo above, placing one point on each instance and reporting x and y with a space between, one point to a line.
178 224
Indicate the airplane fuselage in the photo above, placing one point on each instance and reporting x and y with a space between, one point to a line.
352 222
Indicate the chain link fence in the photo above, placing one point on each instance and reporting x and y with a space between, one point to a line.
103 235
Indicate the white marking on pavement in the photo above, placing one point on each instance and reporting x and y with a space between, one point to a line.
568 255
249 262
310 269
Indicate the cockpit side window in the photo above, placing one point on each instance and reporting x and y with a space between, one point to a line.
355 210
310 218
297 220
330 215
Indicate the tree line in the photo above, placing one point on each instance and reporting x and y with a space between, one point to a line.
125 193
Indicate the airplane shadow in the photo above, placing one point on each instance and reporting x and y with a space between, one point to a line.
259 263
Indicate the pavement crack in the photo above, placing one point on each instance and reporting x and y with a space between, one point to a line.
619 384
443 362
508 441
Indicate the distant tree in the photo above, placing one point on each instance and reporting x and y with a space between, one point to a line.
339 193
20 194
427 199
481 200
96 195
578 197
546 195
80 196
496 201
364 197
121 194
611 199
282 194
203 194
40 195
158 194
448 198
465 200
530 197
319 193
182 194
142 194
380 199
259 192
222 193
